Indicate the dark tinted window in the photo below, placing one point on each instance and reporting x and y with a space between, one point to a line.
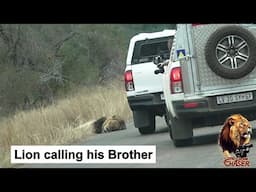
146 50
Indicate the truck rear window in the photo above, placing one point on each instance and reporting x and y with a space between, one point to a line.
146 50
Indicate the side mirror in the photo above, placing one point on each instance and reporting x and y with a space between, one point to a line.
160 70
160 66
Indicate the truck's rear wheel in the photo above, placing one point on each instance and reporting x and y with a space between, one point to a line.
144 121
181 132
167 121
147 130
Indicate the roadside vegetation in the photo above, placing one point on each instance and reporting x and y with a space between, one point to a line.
60 123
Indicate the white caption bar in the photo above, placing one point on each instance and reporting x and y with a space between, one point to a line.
83 154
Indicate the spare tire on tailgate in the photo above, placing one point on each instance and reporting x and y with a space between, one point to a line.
230 52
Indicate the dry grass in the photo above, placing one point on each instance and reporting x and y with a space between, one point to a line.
57 124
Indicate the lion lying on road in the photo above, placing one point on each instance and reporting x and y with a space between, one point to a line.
109 124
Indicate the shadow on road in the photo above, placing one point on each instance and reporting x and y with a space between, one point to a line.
162 130
205 139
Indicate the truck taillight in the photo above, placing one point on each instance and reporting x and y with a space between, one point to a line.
176 84
128 79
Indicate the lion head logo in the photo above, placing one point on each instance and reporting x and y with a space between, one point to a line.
235 136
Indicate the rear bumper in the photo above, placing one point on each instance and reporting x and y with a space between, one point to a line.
208 108
146 102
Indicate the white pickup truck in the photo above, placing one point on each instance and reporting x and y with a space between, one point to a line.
144 89
211 75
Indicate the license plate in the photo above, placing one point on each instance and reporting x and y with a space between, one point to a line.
162 96
234 98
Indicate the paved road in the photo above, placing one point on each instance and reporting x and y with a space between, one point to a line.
204 153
